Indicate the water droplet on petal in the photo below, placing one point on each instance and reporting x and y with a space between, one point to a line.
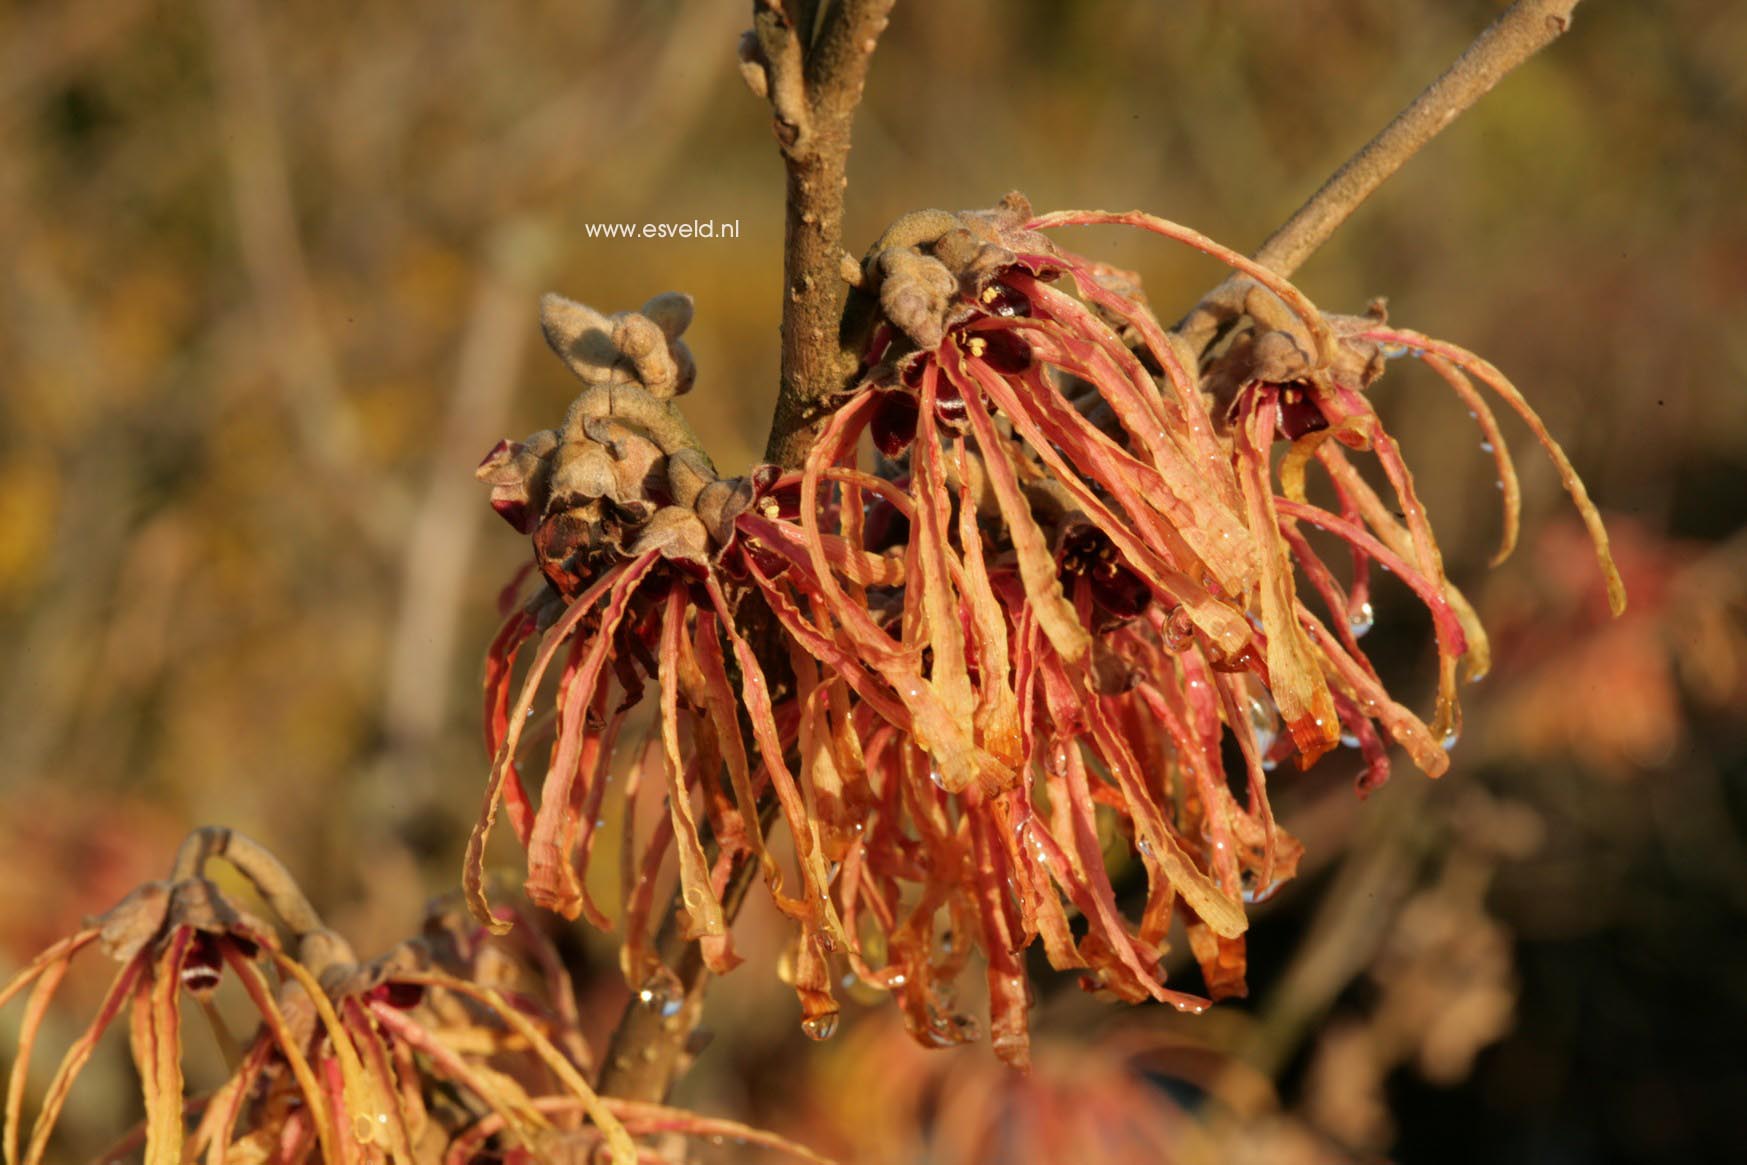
1253 894
820 1027
1486 446
1262 724
1451 736
1362 618
1179 629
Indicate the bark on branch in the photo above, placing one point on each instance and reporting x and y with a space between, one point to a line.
1525 28
810 59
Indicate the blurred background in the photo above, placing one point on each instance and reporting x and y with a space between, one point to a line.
268 277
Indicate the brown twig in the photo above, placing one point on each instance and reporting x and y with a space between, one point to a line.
652 1044
1525 29
810 58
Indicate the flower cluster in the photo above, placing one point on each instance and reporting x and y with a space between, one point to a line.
435 1052
1042 567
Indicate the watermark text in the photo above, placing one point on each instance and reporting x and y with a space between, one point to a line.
707 228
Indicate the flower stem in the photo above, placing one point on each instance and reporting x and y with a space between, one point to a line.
650 1048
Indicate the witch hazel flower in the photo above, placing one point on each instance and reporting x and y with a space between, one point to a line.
1042 564
1107 534
457 1043
184 936
637 540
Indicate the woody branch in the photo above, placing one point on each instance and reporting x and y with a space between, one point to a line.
1524 29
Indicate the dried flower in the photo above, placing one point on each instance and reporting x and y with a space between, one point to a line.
167 936
1067 570
637 539
349 1061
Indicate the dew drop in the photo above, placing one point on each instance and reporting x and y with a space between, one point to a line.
1179 630
1362 618
1254 894
1486 446
820 1027
1451 736
1262 724
661 992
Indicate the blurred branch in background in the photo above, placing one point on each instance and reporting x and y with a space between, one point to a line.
287 316
445 527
